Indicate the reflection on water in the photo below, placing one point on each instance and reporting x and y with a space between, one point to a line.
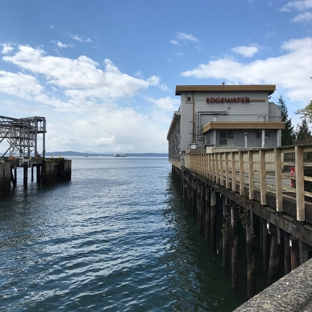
117 237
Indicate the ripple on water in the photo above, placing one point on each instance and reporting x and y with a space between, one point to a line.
116 238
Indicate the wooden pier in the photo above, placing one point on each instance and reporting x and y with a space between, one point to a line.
256 188
44 170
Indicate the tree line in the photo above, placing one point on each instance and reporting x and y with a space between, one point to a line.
300 134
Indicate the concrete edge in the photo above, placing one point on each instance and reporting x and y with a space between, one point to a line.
292 293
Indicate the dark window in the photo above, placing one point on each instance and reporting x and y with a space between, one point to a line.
224 135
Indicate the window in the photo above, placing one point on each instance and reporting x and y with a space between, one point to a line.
224 135
188 98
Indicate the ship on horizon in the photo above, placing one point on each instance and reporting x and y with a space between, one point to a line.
120 155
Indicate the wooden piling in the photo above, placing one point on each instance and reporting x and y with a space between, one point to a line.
213 222
274 256
287 266
251 258
303 252
202 207
38 171
32 173
294 252
25 167
192 208
265 246
234 250
5 178
198 206
207 212
225 237
14 176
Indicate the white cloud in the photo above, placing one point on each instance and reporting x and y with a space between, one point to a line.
6 48
304 17
174 42
246 51
290 71
80 77
79 99
153 81
189 37
166 103
297 6
107 128
19 84
77 38
302 6
163 87
63 45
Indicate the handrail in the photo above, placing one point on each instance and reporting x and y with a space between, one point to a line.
259 169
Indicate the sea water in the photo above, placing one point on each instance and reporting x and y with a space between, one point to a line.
117 237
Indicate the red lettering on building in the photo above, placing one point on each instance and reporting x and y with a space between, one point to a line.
212 100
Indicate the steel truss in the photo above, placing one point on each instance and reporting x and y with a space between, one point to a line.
22 135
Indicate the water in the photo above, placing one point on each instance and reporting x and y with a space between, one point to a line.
118 237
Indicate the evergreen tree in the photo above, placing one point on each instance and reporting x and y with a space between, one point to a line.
303 133
288 134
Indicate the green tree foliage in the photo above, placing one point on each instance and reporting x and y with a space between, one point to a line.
288 134
303 133
306 112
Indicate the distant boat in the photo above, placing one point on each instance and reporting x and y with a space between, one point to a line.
120 155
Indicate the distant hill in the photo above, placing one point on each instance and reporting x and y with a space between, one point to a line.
71 153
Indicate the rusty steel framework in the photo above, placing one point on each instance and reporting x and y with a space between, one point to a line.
22 135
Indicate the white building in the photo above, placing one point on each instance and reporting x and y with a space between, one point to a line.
224 116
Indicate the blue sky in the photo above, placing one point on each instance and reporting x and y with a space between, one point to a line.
103 73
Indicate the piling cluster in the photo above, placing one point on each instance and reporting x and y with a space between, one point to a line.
46 171
221 213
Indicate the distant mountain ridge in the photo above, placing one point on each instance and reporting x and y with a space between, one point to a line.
71 153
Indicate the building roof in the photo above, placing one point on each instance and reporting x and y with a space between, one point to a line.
222 88
243 125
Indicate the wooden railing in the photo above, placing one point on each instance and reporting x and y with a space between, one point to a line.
261 170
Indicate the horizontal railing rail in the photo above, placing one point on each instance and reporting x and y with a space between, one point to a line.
262 170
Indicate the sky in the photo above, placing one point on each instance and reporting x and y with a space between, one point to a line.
104 73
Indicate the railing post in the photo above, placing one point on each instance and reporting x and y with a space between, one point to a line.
278 180
213 166
217 169
241 173
227 175
233 172
251 175
221 170
202 165
207 165
262 178
299 183
210 167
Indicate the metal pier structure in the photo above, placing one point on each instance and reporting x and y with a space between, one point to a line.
22 135
21 138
